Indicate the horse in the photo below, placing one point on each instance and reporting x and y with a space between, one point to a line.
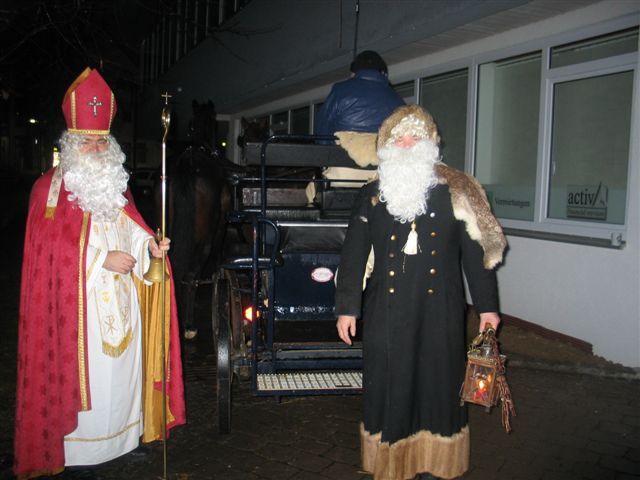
198 197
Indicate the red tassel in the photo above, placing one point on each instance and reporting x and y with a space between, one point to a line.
508 408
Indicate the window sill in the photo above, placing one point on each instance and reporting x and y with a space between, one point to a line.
616 241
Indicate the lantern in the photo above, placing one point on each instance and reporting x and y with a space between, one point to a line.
484 381
480 386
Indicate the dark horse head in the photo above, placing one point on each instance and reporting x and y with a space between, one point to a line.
253 131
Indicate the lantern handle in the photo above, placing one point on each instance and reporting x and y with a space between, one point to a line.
489 330
484 336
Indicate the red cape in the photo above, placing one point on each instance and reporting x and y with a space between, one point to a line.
53 373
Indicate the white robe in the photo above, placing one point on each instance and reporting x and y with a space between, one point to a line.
114 425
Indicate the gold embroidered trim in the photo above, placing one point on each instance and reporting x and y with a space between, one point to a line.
111 105
73 109
81 363
101 439
116 350
88 132
93 262
54 193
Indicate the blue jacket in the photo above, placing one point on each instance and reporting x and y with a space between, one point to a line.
359 104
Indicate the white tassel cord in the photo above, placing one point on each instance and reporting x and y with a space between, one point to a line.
411 247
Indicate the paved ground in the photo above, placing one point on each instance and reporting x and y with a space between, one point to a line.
578 416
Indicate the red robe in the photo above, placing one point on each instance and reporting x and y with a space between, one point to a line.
53 371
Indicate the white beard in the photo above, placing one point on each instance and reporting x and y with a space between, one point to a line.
406 177
96 181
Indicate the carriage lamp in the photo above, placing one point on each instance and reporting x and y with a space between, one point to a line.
248 313
480 386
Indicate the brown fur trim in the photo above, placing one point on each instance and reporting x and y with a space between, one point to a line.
398 114
444 457
470 205
360 146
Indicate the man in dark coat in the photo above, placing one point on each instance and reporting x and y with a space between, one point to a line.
419 221
360 103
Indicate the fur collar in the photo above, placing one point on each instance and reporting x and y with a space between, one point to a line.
470 205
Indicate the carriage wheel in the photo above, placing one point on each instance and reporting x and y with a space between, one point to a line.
224 369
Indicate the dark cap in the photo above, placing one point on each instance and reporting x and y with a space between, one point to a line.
368 59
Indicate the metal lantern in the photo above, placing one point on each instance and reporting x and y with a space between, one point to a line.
484 381
480 386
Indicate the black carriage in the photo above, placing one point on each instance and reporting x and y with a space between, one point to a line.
273 306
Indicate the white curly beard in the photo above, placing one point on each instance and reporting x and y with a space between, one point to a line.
406 177
95 180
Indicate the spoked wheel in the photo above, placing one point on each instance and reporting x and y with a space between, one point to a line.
222 338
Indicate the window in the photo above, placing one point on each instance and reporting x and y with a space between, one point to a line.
300 120
507 133
406 90
597 48
445 98
590 148
280 123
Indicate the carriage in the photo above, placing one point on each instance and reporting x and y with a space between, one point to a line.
273 303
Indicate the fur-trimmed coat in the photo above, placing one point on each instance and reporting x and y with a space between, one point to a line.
413 312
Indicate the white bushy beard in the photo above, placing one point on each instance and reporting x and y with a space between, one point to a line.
96 180
406 177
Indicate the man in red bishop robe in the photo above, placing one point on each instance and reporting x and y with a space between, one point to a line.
90 373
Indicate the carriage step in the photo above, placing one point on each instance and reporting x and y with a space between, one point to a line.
321 351
310 382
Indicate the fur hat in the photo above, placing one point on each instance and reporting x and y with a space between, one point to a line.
408 119
368 60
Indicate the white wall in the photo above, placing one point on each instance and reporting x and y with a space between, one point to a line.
591 293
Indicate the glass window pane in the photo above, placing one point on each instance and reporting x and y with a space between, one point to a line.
406 90
507 134
445 98
280 123
604 46
590 148
300 121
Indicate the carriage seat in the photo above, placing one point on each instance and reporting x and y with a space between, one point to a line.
311 213
309 239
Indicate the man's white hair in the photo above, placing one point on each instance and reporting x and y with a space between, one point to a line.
406 177
96 180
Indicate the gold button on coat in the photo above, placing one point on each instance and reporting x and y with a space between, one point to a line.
434 253
393 237
430 291
391 255
391 290
434 234
432 271
391 273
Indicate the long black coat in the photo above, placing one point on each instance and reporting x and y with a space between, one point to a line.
413 312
